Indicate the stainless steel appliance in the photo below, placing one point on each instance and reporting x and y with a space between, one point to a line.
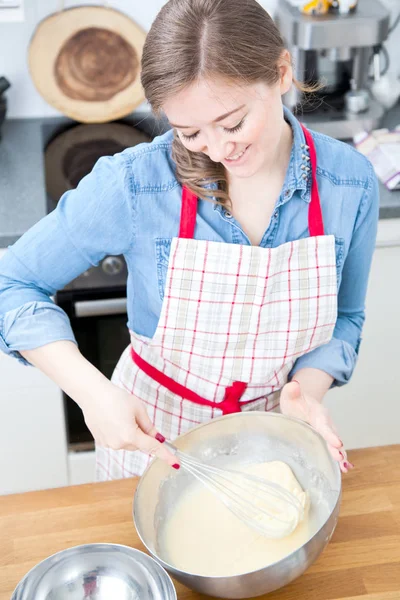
343 52
95 302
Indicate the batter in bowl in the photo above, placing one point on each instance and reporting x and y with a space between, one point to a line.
203 537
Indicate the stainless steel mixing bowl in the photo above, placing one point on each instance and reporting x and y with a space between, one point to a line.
244 438
96 572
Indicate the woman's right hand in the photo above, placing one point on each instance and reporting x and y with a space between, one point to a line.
116 418
119 420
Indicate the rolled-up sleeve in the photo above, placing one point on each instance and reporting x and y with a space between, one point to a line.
32 325
90 222
339 356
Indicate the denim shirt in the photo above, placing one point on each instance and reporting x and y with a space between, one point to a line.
130 204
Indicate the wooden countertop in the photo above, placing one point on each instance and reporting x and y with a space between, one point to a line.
362 561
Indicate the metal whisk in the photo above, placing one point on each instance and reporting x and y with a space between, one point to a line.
263 505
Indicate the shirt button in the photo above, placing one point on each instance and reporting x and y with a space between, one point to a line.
276 214
228 215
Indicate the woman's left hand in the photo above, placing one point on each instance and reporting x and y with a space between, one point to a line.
295 403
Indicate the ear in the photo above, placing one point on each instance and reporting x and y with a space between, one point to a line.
285 71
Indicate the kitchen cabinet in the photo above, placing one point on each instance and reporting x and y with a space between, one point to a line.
367 410
33 445
81 467
33 449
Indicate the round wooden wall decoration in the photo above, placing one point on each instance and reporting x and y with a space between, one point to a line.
85 61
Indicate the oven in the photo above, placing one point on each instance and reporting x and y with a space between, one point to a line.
99 322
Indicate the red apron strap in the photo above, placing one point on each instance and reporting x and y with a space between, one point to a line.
230 403
315 222
188 214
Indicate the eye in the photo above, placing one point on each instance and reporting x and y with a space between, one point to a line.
191 137
237 127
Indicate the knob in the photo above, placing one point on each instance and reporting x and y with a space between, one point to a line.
112 265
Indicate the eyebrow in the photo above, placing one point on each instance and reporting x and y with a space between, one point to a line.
221 118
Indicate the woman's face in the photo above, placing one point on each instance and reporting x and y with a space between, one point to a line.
234 124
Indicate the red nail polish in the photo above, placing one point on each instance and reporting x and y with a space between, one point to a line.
341 454
176 466
160 438
348 465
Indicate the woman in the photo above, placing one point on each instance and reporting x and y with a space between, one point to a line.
248 242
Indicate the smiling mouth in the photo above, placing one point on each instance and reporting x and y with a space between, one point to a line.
236 157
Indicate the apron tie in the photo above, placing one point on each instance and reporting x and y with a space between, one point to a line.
230 404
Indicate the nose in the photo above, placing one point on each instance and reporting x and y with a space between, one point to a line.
217 148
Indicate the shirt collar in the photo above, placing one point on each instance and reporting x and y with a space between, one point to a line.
298 174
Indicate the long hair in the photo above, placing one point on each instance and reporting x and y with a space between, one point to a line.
191 39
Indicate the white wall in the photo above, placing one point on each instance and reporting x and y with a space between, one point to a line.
24 100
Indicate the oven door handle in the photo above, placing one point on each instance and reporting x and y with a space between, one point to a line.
100 308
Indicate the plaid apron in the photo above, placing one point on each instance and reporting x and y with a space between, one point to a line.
234 319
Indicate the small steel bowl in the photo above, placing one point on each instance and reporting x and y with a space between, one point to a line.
96 572
244 438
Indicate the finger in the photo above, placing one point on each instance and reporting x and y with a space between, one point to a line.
151 446
335 431
346 466
144 421
341 457
146 425
322 422
325 429
338 455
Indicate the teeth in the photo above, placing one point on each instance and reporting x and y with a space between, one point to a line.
236 156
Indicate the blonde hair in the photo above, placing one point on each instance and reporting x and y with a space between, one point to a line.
191 39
